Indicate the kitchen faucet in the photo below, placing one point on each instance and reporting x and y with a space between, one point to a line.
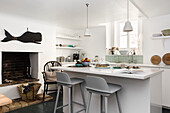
130 55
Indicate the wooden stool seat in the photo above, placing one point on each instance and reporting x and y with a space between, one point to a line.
4 101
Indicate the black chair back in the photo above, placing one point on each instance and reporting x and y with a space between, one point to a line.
48 65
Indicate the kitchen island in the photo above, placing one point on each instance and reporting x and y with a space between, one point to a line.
140 93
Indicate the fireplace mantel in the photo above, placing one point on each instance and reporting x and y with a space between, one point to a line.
17 46
30 51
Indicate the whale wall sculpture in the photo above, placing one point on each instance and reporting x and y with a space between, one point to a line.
27 37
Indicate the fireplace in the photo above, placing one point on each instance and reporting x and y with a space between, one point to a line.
35 52
17 67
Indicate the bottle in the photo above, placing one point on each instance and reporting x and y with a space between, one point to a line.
96 58
69 58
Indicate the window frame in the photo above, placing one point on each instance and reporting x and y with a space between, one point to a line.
118 34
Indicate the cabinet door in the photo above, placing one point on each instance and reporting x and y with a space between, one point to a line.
166 88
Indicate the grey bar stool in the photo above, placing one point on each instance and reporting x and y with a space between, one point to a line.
99 86
63 79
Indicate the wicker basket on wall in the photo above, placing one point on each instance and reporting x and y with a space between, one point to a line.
31 95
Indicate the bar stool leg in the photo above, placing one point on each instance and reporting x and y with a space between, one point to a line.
58 93
88 104
106 104
82 94
101 104
69 100
117 98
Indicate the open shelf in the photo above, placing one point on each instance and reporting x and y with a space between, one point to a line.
161 37
68 38
73 48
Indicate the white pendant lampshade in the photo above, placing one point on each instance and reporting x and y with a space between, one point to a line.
87 32
128 27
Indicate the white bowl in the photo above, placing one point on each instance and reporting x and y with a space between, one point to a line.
85 64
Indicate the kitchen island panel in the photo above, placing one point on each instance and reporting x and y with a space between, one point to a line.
136 96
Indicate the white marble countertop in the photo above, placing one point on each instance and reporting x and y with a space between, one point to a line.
163 66
142 74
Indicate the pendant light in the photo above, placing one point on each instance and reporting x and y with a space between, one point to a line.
128 26
87 32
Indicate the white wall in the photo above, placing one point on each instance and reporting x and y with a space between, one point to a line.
110 34
152 47
155 47
17 26
96 44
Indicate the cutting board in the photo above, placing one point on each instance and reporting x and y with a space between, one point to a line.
166 59
156 59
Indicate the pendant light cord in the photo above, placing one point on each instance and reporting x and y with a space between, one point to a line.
127 10
128 20
87 14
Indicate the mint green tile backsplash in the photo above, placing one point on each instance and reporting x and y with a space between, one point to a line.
138 59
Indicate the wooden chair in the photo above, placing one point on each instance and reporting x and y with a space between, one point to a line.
4 101
46 74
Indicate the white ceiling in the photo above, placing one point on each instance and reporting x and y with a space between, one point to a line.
72 13
153 8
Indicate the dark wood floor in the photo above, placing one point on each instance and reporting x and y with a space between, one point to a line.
48 107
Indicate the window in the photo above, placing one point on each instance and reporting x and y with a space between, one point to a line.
121 38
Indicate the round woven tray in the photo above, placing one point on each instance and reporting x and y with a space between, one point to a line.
156 59
166 59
